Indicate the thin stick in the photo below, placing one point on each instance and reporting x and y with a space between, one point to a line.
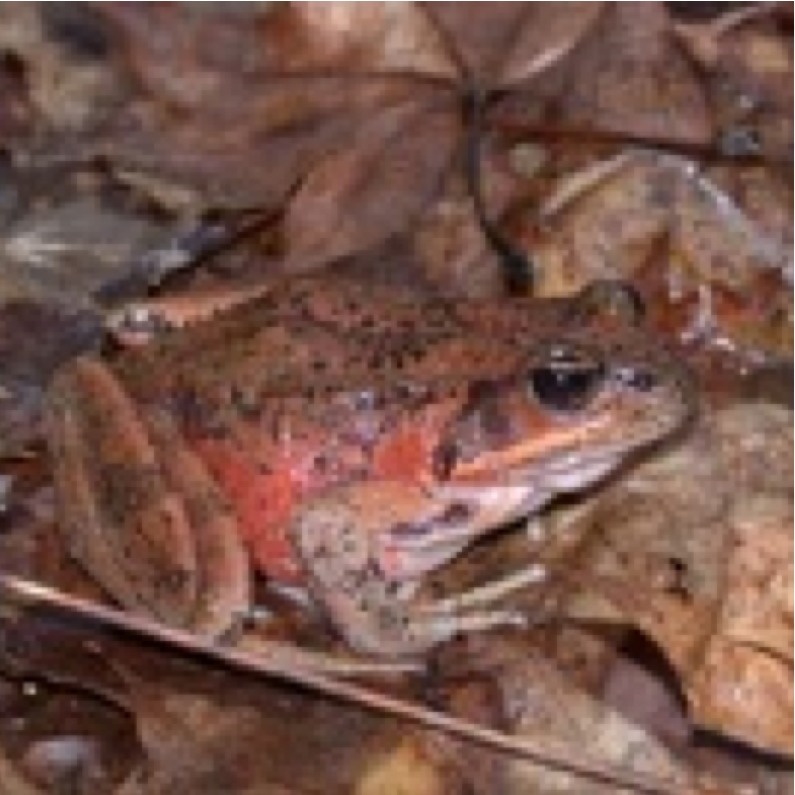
31 594
518 130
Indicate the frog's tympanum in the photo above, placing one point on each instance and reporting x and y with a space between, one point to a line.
349 439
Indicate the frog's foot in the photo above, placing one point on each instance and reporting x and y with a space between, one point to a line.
345 538
138 509
492 591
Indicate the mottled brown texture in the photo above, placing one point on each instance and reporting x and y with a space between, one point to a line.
323 383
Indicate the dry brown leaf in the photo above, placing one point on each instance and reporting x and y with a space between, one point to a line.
65 91
379 38
261 95
192 745
406 768
507 45
357 104
259 740
373 189
213 117
722 278
34 340
64 253
16 110
544 706
361 106
449 244
748 63
627 76
695 549
743 685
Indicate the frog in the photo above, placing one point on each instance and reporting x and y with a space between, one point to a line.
349 440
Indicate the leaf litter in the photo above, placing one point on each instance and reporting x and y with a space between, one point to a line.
657 146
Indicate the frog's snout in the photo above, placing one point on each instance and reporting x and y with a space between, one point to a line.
639 377
663 391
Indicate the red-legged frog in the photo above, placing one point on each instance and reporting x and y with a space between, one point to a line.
349 438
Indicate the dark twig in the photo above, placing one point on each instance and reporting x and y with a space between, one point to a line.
519 269
26 593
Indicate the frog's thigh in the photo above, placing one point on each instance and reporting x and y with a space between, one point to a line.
137 508
337 535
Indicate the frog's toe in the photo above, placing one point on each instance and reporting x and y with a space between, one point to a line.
533 574
440 628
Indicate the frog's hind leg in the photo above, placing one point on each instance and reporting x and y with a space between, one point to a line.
136 507
339 537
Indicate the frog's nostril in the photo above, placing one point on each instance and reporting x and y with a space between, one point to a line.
444 459
637 378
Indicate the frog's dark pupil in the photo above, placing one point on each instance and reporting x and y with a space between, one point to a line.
565 382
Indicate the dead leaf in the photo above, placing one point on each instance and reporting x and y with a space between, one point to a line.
448 242
694 548
260 741
34 340
405 768
70 85
362 107
375 188
748 64
364 114
64 254
628 77
16 111
544 705
224 89
721 281
743 685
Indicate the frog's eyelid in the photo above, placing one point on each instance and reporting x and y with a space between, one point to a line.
565 357
614 298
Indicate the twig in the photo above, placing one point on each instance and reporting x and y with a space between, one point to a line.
26 593
516 130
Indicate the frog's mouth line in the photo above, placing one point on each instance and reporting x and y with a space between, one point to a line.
503 486
566 448
474 509
533 449
558 469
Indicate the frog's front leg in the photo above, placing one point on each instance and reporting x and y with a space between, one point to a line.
351 540
138 509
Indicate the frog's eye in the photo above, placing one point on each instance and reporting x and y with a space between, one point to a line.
611 298
566 380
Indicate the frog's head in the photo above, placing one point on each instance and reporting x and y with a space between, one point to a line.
591 388
586 388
